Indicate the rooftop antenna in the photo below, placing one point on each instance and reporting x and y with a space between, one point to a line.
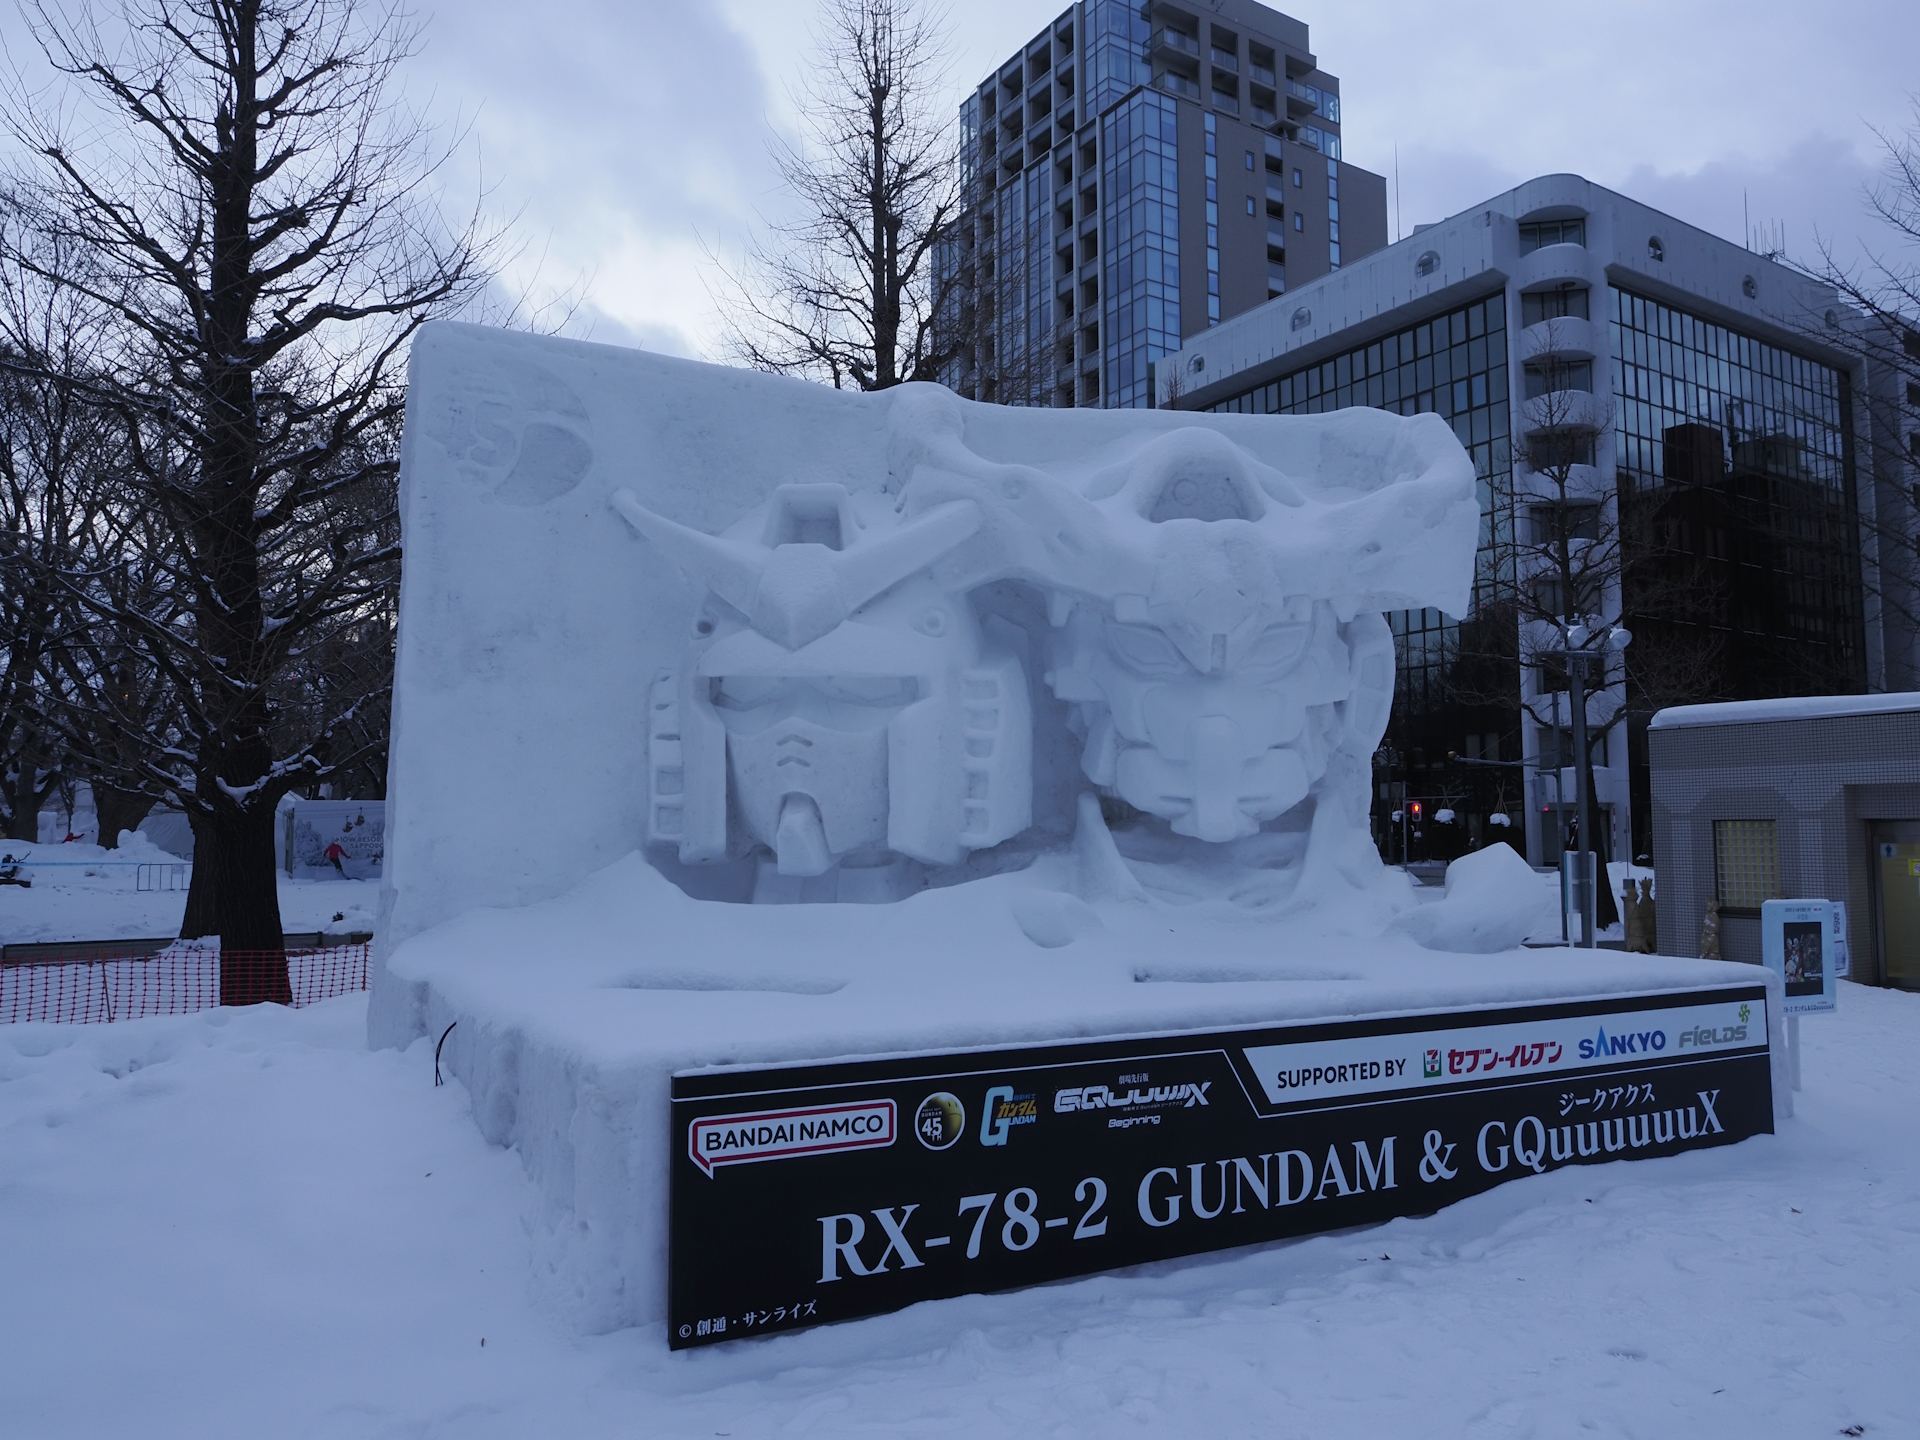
1396 192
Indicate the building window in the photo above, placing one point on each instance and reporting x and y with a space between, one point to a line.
1548 376
1746 864
1296 177
1250 206
1213 218
1740 456
1299 221
1569 303
1455 365
1139 160
1249 159
1538 234
1655 249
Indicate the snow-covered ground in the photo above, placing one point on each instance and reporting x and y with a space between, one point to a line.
81 892
245 1224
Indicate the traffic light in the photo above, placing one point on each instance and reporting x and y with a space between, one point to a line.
1416 810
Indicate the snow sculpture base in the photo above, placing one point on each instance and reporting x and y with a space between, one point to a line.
568 1060
744 721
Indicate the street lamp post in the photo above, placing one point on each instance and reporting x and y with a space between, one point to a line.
1579 645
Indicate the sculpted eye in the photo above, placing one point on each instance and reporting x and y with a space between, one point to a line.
1146 649
745 692
1278 646
871 690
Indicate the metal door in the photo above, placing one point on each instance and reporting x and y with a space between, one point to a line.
1896 875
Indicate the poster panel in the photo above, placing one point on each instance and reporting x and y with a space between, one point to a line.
823 1192
1803 941
336 839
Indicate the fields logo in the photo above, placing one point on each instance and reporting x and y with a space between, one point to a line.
1430 1065
1003 1110
939 1120
717 1140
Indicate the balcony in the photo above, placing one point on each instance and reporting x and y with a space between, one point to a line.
1177 85
1570 411
1224 60
1226 100
1262 116
1262 73
1566 337
1176 42
1552 265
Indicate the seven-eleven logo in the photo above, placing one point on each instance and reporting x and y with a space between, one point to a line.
1431 1066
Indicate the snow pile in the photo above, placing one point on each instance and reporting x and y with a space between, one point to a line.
83 893
255 1186
1494 900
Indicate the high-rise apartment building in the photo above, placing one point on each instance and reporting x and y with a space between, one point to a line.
1136 173
1699 424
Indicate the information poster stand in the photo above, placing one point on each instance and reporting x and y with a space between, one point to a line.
1804 943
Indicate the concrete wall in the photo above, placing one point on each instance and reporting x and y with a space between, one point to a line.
1823 781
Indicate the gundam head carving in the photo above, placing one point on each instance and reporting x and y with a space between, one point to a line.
835 698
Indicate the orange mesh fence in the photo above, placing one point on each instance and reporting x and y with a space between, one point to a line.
175 982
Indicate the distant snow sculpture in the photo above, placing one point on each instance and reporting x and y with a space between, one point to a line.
1210 624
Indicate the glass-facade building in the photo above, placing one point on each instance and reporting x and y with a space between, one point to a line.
1453 365
1735 464
1140 173
1708 470
1133 175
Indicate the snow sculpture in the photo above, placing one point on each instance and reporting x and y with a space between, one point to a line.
846 708
852 700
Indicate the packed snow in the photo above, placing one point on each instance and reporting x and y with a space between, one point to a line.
83 893
1792 707
243 1223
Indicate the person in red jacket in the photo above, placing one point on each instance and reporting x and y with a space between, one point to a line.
336 853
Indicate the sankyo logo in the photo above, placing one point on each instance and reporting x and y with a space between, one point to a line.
939 1120
1637 1043
1430 1065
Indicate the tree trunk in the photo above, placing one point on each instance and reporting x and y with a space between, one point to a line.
117 810
203 914
23 810
238 854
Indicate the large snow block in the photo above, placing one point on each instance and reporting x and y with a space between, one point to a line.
739 720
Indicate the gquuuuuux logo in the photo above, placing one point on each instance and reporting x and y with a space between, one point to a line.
716 1140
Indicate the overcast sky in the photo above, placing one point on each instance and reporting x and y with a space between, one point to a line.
630 137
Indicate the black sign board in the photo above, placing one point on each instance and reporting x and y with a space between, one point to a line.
824 1192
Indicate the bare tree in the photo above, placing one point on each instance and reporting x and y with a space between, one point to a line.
849 291
238 193
1568 557
1881 320
54 517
